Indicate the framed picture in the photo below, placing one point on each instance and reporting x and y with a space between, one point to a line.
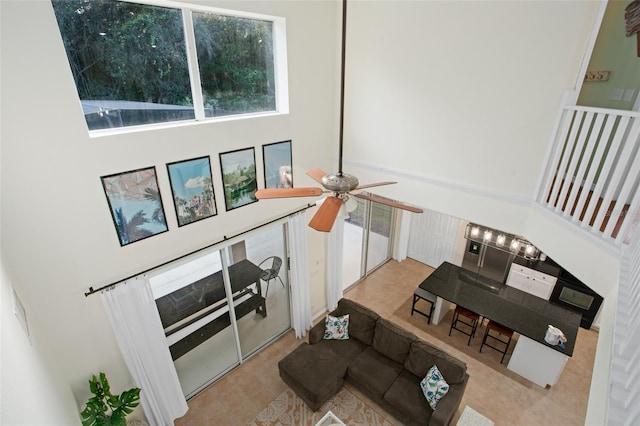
239 177
192 190
277 165
135 204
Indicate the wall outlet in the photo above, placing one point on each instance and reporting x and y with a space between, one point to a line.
628 95
616 94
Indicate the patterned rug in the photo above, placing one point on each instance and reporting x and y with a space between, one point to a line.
288 409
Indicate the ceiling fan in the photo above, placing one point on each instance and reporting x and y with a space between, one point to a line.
342 185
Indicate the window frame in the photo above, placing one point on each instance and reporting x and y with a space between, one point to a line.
279 64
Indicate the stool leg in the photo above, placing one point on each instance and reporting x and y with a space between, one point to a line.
484 339
473 331
453 321
505 350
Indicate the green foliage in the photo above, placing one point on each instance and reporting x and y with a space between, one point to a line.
106 409
127 51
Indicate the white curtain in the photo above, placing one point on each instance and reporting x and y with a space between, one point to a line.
136 323
335 246
299 263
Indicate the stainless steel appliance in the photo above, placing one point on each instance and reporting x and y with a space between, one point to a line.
573 294
488 251
487 261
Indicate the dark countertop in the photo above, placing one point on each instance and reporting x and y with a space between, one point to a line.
522 312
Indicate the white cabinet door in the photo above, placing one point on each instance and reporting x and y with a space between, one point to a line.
540 288
518 280
534 282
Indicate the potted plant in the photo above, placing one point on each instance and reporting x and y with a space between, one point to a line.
104 408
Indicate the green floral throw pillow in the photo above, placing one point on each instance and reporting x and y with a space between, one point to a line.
336 327
434 386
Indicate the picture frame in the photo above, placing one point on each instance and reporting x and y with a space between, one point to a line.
135 204
239 177
192 190
278 163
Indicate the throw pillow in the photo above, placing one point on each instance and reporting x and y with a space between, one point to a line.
434 386
336 327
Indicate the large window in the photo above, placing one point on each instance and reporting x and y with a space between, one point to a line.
137 64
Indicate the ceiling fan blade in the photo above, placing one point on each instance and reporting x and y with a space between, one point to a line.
317 174
287 192
388 202
326 215
371 185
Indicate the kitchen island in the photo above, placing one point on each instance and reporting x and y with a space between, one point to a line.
524 313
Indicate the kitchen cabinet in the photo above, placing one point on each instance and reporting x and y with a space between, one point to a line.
536 362
531 281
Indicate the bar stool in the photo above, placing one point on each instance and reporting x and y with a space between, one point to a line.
502 331
421 294
472 323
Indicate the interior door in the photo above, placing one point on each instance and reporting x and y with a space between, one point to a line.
433 238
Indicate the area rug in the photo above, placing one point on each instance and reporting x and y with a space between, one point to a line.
288 409
471 417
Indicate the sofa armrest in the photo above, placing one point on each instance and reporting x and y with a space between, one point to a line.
316 333
448 405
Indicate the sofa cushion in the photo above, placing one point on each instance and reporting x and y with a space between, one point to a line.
392 341
313 372
346 350
406 395
422 356
434 387
362 320
373 371
336 328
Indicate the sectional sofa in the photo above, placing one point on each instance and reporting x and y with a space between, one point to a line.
381 359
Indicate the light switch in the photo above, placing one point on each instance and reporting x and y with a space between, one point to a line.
628 95
616 94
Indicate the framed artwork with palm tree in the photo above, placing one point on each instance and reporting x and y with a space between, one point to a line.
239 177
192 189
135 204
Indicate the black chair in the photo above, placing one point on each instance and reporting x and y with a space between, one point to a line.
507 333
472 324
271 273
430 298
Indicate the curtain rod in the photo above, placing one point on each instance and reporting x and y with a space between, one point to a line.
225 238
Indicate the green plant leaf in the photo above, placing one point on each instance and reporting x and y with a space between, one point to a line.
106 409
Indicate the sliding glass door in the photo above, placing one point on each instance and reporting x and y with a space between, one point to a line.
207 339
192 302
368 237
262 318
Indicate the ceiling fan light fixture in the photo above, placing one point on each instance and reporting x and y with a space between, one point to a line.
340 182
350 203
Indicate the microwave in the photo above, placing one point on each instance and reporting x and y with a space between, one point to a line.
577 297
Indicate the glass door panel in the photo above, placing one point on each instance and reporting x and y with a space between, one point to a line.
379 235
259 279
352 243
192 303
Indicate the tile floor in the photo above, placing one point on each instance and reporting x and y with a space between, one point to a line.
494 391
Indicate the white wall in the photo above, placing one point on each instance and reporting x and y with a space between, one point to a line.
57 233
455 100
33 390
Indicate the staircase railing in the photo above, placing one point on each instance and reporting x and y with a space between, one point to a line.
593 171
